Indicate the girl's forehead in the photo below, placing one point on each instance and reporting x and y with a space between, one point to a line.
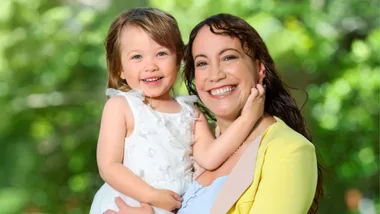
133 37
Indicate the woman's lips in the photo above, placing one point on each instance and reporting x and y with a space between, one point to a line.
223 91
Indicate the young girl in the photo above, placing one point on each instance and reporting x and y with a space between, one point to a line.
147 139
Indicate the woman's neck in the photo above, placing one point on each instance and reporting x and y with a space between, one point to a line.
259 128
223 124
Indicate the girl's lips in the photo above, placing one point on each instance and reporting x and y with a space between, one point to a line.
152 81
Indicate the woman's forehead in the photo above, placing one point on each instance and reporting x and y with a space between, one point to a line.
207 41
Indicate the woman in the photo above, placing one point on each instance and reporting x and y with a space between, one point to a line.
226 54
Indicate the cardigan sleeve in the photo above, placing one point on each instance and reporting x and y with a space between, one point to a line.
288 180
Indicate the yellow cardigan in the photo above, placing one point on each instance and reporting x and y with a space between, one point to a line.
285 176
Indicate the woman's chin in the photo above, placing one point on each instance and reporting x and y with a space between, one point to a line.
227 112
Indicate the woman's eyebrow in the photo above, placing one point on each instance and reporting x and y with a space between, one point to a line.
227 49
199 55
220 52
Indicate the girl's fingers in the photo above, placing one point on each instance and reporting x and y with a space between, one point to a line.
260 89
254 92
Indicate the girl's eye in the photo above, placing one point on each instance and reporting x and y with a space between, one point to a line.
227 58
136 57
162 53
201 64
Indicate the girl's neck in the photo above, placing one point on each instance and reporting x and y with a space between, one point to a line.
154 102
163 103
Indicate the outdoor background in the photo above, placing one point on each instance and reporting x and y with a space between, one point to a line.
53 75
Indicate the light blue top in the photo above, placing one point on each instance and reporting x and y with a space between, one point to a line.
199 199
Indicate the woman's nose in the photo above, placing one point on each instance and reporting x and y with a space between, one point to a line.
216 75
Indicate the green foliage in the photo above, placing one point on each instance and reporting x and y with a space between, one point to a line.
53 74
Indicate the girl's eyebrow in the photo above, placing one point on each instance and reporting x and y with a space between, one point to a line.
131 51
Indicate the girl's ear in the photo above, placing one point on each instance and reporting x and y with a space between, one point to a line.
122 75
179 66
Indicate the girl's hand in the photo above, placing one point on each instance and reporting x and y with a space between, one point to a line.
254 107
125 209
166 199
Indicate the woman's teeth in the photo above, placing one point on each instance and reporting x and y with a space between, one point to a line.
222 91
152 79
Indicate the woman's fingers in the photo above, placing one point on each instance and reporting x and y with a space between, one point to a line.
120 203
178 205
178 199
144 205
110 212
176 196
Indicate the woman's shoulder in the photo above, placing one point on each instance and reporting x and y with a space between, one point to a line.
284 139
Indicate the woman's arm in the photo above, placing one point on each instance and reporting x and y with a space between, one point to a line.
110 151
288 180
209 152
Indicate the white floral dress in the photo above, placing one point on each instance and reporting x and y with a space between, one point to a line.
158 151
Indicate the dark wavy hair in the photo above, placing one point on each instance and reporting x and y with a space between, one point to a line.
278 101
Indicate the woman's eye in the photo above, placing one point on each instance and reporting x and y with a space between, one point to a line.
136 57
227 58
162 54
200 64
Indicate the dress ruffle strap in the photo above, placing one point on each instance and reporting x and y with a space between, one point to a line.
191 99
111 92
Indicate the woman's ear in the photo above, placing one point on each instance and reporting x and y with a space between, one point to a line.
262 73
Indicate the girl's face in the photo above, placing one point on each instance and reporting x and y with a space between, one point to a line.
146 65
224 73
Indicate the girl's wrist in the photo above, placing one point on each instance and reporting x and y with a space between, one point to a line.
250 121
152 194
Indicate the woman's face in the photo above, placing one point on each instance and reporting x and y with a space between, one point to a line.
224 73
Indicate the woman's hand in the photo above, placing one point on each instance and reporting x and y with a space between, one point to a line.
254 107
125 209
166 199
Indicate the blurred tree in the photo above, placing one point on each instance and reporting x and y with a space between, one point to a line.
52 80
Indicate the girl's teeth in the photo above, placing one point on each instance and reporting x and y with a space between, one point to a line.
222 91
151 79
